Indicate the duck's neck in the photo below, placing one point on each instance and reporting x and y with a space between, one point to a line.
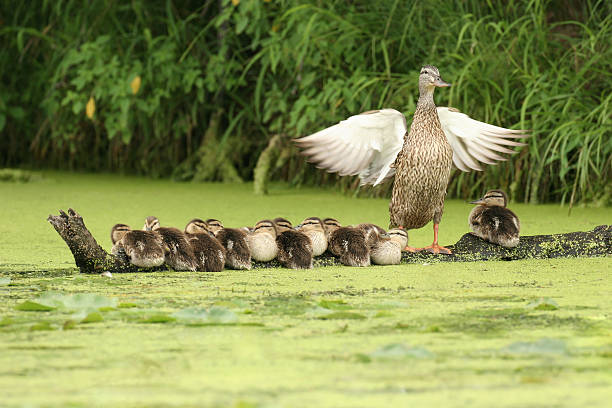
426 100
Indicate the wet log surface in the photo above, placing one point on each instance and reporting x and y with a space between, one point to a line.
90 257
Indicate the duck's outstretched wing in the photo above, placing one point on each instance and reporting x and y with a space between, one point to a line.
473 141
365 144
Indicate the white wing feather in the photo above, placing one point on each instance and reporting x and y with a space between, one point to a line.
473 141
368 144
365 144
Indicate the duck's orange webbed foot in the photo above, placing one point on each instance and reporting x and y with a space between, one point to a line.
436 249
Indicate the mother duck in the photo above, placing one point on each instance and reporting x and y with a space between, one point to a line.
376 145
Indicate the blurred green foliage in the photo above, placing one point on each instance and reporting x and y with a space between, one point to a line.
218 79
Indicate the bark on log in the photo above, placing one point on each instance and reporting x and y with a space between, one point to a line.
90 257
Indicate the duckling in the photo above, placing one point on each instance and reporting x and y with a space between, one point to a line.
348 243
179 253
294 247
262 241
143 248
238 254
371 232
208 251
387 249
493 222
315 230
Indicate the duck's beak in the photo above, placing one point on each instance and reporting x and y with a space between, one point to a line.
440 83
480 201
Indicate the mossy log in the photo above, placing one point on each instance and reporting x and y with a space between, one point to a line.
90 257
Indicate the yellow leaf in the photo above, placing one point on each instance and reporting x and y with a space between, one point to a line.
90 108
235 2
135 84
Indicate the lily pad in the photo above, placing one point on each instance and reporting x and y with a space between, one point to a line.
397 351
93 317
158 318
30 306
342 315
80 301
42 326
542 346
216 314
543 304
334 304
127 305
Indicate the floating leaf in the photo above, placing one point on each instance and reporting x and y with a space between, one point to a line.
5 281
543 304
398 351
30 306
334 304
126 305
88 301
542 346
342 315
158 318
42 326
90 108
69 324
93 317
135 85
215 314
80 301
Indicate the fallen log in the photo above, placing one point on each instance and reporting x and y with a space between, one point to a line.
90 257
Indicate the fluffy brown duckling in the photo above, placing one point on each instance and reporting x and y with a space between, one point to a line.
262 241
179 253
314 229
238 254
372 232
348 243
294 247
143 248
387 248
208 251
493 222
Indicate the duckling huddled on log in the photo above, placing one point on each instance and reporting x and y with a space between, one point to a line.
294 247
348 243
387 249
493 222
262 241
238 254
179 253
208 251
143 248
315 230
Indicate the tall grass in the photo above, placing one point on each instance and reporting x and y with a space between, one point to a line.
220 79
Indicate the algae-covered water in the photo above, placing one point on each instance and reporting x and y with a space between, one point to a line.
504 334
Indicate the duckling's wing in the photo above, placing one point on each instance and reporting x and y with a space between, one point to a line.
365 144
473 141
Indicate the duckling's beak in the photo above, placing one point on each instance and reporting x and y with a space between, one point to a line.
440 83
147 228
480 201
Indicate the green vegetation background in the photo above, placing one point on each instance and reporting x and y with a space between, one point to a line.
198 90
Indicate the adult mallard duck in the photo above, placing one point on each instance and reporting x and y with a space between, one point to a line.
376 145
493 222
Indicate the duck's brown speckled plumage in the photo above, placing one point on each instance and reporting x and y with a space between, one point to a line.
423 167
